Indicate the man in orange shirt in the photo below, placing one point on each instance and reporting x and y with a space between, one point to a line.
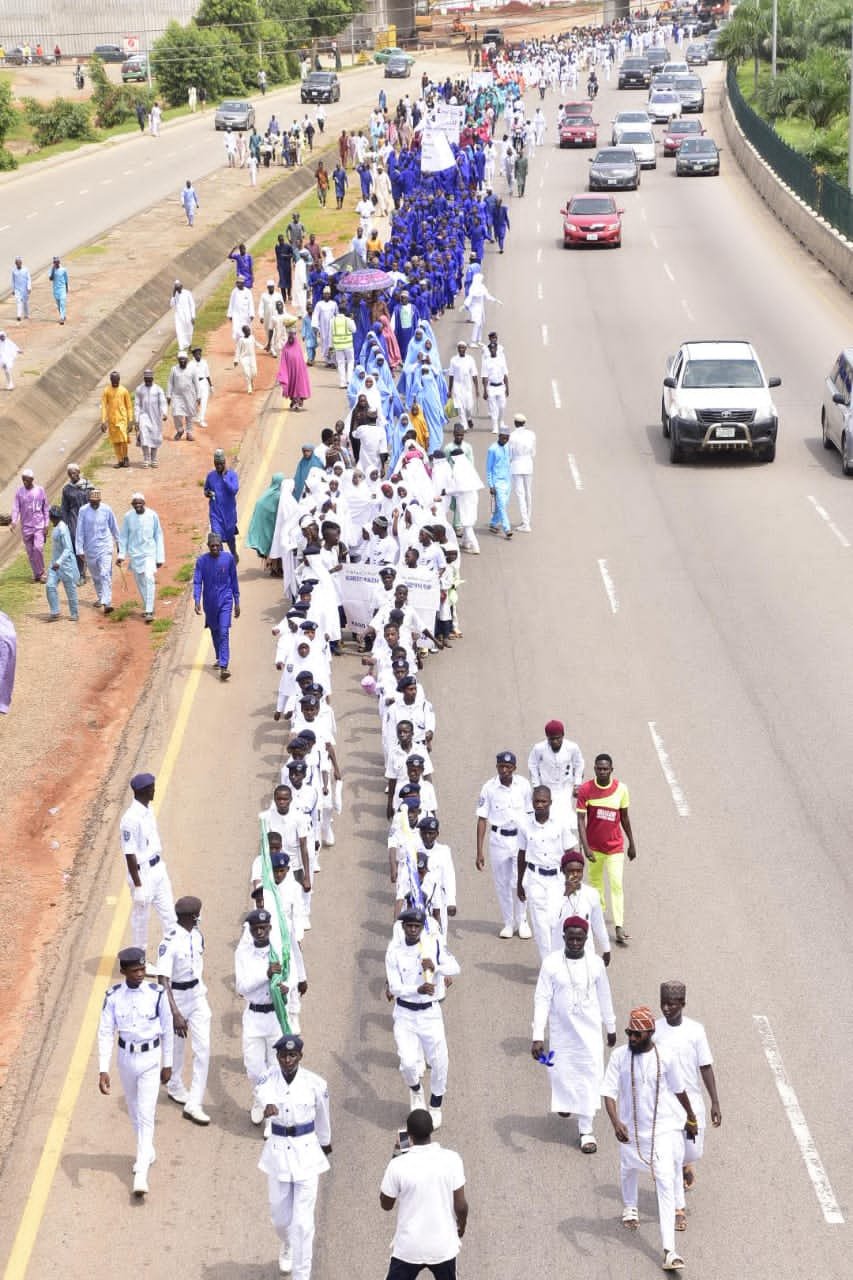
602 805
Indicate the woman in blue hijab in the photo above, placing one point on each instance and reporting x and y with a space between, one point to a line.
306 463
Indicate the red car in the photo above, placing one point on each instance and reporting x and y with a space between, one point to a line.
578 131
677 131
592 219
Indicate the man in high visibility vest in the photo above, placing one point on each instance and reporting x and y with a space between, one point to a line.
343 332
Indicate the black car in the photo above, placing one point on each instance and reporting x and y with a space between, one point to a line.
398 68
321 86
493 35
657 57
614 168
697 156
635 73
109 52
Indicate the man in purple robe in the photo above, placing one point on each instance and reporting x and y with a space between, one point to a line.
217 591
30 510
8 658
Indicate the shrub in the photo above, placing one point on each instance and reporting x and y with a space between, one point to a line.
58 120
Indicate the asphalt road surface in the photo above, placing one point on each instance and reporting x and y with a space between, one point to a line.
691 620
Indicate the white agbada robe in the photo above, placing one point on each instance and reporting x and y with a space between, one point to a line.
573 998
241 310
465 485
321 319
183 305
299 290
463 371
286 533
150 412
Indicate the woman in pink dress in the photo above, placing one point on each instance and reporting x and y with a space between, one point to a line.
293 372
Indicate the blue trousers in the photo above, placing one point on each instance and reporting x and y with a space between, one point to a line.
500 516
220 628
69 582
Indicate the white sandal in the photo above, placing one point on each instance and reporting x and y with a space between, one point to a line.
672 1261
630 1217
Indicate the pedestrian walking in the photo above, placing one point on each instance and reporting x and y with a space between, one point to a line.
8 661
427 1184
141 542
180 970
97 536
498 479
75 495
9 352
293 371
221 487
30 509
556 762
581 900
494 375
216 591
58 276
63 568
522 451
155 119
136 1011
22 287
182 303
322 179
205 385
542 844
245 356
147 877
189 199
182 395
504 803
573 999
117 417
151 410
602 805
254 970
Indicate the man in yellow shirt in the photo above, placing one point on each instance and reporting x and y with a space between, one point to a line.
117 417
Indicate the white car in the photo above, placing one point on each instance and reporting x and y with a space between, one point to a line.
836 416
678 69
643 143
628 120
716 396
663 106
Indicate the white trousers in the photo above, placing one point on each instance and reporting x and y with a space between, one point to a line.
543 897
260 1032
158 894
470 541
145 584
419 1036
523 486
496 400
203 397
197 1013
101 569
464 399
292 1213
685 1152
140 1078
503 855
631 1166
345 361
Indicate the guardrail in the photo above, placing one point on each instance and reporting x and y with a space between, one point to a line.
829 199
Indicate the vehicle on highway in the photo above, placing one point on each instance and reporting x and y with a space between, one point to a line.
398 68
614 167
677 69
691 92
234 113
628 120
678 130
696 158
634 73
383 55
17 57
697 55
663 106
836 421
578 131
642 143
108 52
320 86
711 44
716 396
134 68
592 220
656 56
663 82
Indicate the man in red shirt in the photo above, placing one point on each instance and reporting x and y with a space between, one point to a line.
602 805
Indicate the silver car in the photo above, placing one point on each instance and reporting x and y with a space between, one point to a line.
628 120
613 169
663 106
697 55
691 92
836 417
234 114
642 142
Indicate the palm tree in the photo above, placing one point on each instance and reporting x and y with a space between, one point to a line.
747 34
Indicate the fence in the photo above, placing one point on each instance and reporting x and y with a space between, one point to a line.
78 25
827 197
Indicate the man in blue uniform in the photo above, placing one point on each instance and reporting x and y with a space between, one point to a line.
217 591
499 480
221 486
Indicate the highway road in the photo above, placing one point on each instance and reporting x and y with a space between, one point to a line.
691 621
56 207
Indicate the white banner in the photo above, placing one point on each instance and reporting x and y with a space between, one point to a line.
359 584
481 79
447 119
436 155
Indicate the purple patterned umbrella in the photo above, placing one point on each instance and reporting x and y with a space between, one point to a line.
368 280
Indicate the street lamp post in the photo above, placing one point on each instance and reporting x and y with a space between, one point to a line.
775 29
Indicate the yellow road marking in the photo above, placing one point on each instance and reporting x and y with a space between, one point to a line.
40 1189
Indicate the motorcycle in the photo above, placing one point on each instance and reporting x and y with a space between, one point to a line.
592 87
79 78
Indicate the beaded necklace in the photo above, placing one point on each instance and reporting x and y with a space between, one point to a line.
651 1160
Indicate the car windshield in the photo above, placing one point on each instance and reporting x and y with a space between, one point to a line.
722 373
581 208
578 121
632 117
685 126
637 139
620 156
321 77
634 64
664 97
699 146
233 106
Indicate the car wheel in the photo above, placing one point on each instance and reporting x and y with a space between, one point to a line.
768 453
676 453
827 443
664 420
617 244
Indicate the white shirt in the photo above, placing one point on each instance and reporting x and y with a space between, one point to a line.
522 451
586 903
689 1043
617 1085
493 368
544 843
506 807
422 1180
139 834
180 957
139 1015
559 770
404 970
304 1101
374 442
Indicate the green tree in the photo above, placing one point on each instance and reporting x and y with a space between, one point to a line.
241 16
747 34
8 118
328 17
817 88
115 103
58 121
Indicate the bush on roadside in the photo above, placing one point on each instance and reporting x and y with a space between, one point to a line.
115 103
58 121
211 58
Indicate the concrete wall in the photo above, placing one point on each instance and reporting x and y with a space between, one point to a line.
826 244
78 25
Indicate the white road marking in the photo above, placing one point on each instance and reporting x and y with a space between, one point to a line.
555 392
146 163
84 191
538 228
643 214
544 335
538 202
57 203
539 254
668 272
34 214
654 240
609 586
576 475
127 173
171 154
105 182
539 292
814 1166
687 311
7 226
680 800
825 516
541 183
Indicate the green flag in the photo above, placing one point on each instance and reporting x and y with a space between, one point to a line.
279 934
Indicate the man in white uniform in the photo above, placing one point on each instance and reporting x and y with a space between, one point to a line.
475 304
462 384
298 1142
241 308
146 871
686 1038
542 843
556 762
495 378
137 1010
573 998
253 972
180 969
321 322
182 303
503 807
646 1103
522 451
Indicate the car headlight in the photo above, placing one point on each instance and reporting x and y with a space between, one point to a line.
571 226
613 226
686 412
